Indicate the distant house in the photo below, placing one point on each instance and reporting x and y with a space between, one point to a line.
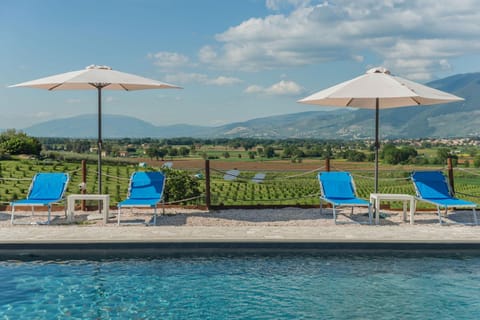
123 153
95 150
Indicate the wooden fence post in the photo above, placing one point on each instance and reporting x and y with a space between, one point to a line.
207 183
450 174
327 164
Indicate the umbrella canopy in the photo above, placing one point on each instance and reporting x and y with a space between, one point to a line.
93 77
98 78
378 89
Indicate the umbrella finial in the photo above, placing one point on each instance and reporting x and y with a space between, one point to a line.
94 66
379 70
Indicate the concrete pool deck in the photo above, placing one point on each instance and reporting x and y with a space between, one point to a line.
235 230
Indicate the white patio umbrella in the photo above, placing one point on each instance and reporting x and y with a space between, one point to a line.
378 89
99 78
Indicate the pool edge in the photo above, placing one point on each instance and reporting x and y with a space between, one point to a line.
105 249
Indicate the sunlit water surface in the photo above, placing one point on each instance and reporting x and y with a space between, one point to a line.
244 287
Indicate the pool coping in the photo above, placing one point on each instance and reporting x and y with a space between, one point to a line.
103 241
126 249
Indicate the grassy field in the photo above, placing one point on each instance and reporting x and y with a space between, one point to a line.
285 183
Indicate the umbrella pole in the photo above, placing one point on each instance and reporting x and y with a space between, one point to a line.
377 143
99 88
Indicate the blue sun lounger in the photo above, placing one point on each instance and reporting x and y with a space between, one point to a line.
432 187
145 190
45 189
338 189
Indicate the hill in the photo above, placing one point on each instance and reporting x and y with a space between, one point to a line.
449 120
113 126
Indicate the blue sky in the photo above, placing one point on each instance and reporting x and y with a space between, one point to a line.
237 60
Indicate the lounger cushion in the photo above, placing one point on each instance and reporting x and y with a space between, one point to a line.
48 186
431 185
337 185
146 185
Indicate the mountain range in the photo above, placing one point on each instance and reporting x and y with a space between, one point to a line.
460 119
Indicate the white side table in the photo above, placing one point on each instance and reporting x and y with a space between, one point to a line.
376 198
105 198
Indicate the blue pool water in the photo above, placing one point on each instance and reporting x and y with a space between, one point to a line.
244 287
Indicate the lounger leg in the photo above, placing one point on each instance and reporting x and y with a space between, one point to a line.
118 216
351 212
439 215
155 215
370 214
49 211
13 214
334 214
475 216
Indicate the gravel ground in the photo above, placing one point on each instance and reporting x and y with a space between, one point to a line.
237 217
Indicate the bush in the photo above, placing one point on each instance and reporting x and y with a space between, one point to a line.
180 185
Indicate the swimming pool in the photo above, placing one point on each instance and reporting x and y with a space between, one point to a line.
277 286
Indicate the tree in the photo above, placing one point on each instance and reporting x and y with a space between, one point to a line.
184 151
14 142
476 162
161 153
248 144
269 152
394 155
173 152
443 154
354 155
152 152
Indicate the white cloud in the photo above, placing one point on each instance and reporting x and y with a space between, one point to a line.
207 54
254 89
281 88
224 81
169 60
201 78
428 32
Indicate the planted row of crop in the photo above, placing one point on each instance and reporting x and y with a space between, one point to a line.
16 177
285 188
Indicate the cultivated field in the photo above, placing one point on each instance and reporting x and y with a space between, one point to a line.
285 183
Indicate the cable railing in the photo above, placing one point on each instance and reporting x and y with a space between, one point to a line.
290 186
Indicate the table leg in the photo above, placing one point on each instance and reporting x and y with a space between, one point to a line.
105 210
405 210
70 209
412 210
377 211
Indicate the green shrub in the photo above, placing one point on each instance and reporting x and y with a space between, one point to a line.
180 185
